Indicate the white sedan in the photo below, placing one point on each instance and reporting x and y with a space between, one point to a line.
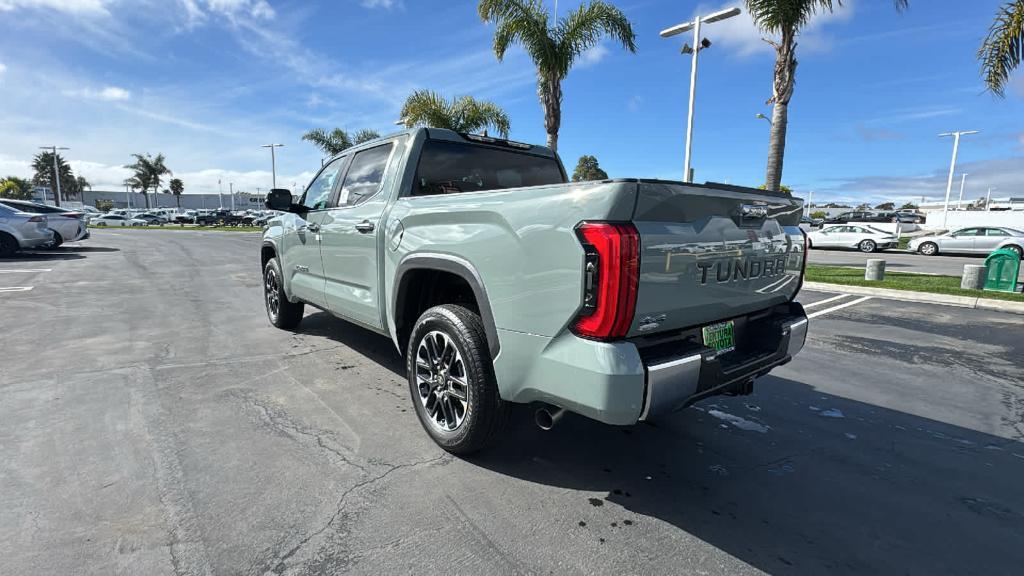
863 238
118 220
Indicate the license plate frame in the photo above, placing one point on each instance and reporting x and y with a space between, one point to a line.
720 337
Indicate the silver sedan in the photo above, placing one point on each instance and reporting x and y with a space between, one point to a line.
977 240
21 230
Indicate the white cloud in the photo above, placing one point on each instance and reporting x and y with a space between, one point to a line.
77 7
198 11
593 56
107 94
3 68
385 4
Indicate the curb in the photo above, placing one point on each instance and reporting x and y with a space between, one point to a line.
928 297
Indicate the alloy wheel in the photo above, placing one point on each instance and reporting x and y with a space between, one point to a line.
271 292
442 381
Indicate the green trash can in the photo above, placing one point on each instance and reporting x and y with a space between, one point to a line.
1002 266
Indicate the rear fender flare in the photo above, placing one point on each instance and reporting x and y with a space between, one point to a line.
444 263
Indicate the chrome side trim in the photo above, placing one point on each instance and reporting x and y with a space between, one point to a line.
670 384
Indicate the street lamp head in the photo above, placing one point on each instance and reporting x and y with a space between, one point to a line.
687 26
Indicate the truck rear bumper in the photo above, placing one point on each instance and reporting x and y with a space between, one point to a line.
618 383
674 383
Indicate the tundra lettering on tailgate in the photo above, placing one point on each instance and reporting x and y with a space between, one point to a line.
735 269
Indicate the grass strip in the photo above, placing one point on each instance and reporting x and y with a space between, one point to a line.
903 281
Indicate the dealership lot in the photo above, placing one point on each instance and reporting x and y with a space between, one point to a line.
154 423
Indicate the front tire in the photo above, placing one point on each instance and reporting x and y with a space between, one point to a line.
451 380
867 246
928 249
281 313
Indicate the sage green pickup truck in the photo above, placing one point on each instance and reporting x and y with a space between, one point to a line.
501 282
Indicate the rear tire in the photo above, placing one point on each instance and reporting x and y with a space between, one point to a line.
281 313
928 249
8 245
57 240
1017 249
451 380
867 246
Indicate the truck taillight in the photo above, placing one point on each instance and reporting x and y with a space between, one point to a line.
611 274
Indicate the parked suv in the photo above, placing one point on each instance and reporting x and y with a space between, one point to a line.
860 216
22 230
621 300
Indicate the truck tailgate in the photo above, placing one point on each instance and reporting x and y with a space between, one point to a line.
711 252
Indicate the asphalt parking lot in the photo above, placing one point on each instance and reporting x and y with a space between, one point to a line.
154 423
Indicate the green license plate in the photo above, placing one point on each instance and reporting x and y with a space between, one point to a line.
720 337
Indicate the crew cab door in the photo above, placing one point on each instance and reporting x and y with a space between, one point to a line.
301 261
350 238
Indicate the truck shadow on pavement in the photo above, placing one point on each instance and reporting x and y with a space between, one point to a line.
790 481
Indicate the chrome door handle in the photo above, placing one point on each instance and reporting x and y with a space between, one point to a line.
365 226
314 228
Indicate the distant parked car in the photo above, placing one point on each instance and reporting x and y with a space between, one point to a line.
67 225
152 218
119 220
22 230
977 240
863 238
860 216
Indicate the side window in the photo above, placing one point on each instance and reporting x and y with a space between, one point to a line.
318 193
364 175
995 232
968 232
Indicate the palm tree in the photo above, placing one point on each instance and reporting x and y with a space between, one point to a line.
148 172
336 141
463 114
177 188
42 165
81 184
783 19
1003 48
553 49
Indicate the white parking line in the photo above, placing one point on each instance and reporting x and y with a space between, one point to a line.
26 270
839 307
16 289
825 301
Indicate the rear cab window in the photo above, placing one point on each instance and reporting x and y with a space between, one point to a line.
453 167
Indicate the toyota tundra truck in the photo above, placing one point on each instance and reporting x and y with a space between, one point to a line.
501 282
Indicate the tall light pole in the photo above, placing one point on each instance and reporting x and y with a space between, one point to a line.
952 166
960 200
56 173
273 163
220 195
231 189
698 45
810 199
988 200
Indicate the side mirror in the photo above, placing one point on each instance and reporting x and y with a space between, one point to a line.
279 199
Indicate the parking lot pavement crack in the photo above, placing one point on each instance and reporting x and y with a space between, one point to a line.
279 563
273 416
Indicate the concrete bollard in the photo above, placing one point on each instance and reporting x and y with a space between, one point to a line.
875 270
974 277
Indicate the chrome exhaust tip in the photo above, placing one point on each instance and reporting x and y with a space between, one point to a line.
546 418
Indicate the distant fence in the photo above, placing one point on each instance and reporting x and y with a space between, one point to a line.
965 218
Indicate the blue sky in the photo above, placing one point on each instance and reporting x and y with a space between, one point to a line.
207 81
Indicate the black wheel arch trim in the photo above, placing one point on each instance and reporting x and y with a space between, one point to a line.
454 265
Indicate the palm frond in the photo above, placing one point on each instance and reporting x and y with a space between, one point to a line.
1003 49
584 27
365 135
523 22
464 114
774 16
